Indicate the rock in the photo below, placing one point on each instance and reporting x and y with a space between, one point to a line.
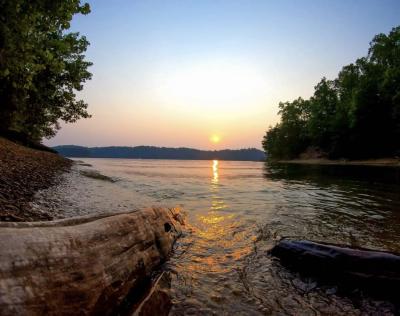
96 175
377 272
80 266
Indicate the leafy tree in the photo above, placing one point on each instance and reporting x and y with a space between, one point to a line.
346 88
322 114
41 66
384 53
357 115
289 138
273 141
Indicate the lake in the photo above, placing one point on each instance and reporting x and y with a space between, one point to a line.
234 212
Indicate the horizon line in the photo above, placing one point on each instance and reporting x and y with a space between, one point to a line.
159 147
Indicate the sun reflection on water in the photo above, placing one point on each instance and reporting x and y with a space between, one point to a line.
214 180
218 231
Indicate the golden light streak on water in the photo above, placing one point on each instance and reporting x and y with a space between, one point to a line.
215 172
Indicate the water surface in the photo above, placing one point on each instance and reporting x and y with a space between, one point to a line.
235 211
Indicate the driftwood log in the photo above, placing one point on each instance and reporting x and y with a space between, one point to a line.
157 300
375 271
81 266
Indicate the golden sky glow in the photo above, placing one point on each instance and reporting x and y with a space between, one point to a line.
215 86
173 73
203 104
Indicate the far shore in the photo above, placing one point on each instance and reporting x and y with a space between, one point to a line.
383 162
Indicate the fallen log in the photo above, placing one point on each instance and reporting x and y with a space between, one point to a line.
377 272
84 265
157 301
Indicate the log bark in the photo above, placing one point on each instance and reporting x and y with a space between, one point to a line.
157 301
375 271
81 266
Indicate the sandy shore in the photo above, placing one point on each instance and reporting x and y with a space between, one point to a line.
23 172
384 162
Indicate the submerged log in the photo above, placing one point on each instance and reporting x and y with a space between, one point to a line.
84 265
375 271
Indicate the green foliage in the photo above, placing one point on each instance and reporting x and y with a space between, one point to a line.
289 137
41 66
357 115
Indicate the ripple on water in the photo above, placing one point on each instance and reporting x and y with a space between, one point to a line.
235 210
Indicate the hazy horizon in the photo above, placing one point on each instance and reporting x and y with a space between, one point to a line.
175 147
210 74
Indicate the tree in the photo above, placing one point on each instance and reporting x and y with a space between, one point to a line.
385 54
41 66
322 113
357 115
289 138
346 85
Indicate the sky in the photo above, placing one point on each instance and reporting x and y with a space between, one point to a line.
210 74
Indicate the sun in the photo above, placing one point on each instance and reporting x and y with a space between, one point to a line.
215 139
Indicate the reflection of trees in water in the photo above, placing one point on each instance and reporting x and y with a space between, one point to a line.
353 205
337 174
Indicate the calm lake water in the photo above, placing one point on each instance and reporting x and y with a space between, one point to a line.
235 211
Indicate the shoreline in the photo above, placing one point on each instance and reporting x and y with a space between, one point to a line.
85 191
23 172
383 162
34 216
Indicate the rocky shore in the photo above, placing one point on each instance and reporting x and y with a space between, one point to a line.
75 259
24 171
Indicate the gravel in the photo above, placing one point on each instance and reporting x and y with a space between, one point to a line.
23 172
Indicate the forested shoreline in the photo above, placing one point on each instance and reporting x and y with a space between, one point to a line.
354 116
152 152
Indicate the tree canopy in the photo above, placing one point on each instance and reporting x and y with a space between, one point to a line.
356 115
42 65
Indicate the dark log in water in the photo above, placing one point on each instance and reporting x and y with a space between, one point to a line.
83 265
375 271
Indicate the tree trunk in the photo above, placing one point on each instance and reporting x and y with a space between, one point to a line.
84 265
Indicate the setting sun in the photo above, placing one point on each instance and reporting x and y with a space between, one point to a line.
215 139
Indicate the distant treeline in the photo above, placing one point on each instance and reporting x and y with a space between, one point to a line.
151 152
357 115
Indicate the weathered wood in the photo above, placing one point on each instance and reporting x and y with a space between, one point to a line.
157 301
83 265
376 271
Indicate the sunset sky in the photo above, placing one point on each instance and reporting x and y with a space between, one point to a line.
210 74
